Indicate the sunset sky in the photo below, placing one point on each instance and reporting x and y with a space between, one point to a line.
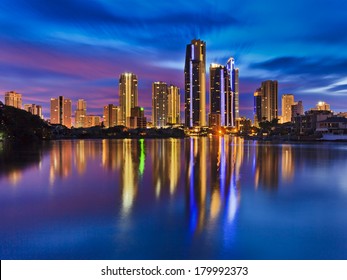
79 48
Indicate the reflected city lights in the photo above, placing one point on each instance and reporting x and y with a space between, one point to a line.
14 177
223 160
61 160
287 163
142 157
129 178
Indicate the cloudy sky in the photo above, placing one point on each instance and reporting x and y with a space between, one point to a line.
78 48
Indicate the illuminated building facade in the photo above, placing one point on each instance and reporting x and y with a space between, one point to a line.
61 111
111 115
297 109
137 118
287 102
13 99
34 109
219 95
159 104
233 88
81 113
195 84
322 106
257 107
128 96
174 105
224 92
92 121
269 100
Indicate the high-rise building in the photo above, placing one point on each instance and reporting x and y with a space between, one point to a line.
174 105
195 84
137 118
233 87
34 109
159 104
61 111
297 109
128 96
224 93
269 100
287 102
92 120
111 115
236 95
81 113
13 99
257 107
219 95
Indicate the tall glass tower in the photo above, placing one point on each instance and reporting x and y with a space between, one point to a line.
233 87
128 96
195 84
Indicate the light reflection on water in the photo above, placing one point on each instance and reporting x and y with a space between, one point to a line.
218 197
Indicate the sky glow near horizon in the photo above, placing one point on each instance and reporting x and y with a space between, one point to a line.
79 48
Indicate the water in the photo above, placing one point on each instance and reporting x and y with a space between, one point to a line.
197 198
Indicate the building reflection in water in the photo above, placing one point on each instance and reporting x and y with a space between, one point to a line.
165 156
129 177
81 157
287 163
112 154
215 163
271 160
267 169
61 160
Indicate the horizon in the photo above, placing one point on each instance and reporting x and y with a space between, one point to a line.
79 49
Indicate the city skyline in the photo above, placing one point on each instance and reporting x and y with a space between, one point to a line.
81 55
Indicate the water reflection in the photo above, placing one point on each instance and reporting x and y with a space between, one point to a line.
15 158
127 197
267 169
166 162
61 160
287 163
212 179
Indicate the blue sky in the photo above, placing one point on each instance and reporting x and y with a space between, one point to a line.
79 48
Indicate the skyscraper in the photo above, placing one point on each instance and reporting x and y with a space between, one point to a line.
219 94
81 113
13 99
269 102
233 87
174 105
128 96
224 92
236 95
111 115
61 111
257 107
159 104
287 102
195 84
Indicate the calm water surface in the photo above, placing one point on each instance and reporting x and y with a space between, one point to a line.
197 198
